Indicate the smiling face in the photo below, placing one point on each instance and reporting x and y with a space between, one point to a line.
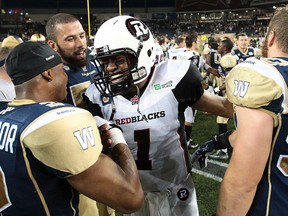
114 64
116 74
71 43
243 42
117 67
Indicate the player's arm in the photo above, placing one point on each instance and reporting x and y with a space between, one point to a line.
250 153
67 141
190 88
214 104
114 183
207 64
116 176
220 141
92 107
211 70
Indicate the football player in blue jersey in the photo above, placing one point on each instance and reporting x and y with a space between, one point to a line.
51 151
243 50
227 62
148 103
66 36
255 182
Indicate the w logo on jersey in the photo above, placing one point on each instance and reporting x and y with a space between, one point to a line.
137 28
85 136
241 87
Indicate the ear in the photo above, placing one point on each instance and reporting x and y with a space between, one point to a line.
47 75
271 38
52 44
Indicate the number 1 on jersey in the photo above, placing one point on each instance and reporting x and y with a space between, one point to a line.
142 137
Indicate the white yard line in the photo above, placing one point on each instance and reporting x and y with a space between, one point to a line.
217 163
207 175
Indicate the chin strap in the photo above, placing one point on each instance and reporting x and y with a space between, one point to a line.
113 110
138 106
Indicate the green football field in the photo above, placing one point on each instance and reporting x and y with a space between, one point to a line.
207 180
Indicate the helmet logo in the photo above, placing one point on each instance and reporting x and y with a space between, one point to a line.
137 28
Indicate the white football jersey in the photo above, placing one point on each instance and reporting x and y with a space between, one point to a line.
159 54
175 53
190 55
153 125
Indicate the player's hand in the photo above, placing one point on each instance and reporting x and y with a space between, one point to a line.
201 154
105 135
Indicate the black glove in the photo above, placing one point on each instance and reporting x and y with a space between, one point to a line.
220 141
201 154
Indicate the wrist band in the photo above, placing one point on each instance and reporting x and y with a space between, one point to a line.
116 137
100 121
206 66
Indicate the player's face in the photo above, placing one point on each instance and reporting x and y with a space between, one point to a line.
195 45
221 48
114 65
117 68
72 43
242 42
60 83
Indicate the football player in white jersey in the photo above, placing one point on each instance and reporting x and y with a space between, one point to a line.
148 103
159 53
7 90
180 47
191 54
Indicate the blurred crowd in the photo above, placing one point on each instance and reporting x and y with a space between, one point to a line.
169 28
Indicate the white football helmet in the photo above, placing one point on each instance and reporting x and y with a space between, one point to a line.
127 36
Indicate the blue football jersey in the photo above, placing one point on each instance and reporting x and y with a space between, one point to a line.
250 52
262 84
78 81
39 149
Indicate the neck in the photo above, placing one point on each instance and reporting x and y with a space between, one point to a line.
243 50
4 75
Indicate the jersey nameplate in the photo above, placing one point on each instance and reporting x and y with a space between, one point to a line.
7 136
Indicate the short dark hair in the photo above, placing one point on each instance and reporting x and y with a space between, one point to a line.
179 40
60 18
228 43
241 34
190 39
